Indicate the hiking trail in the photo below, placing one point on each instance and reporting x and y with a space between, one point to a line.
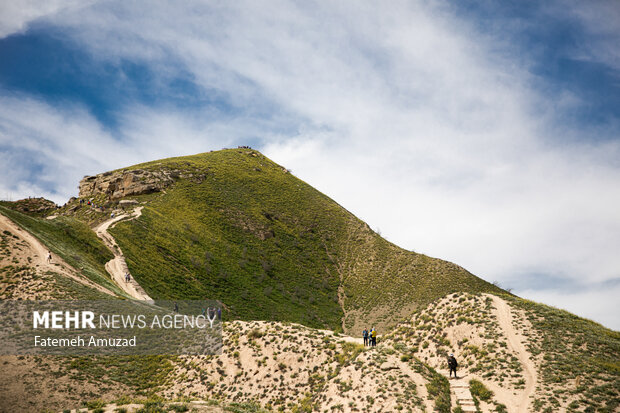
38 253
515 343
460 390
343 337
117 266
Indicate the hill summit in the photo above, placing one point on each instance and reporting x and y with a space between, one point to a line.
233 225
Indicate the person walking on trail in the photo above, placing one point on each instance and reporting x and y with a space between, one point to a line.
127 277
365 335
452 364
374 337
49 256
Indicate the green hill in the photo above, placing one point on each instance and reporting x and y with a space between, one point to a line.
232 225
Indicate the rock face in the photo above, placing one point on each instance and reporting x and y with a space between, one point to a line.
127 183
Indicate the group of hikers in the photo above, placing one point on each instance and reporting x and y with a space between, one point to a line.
370 337
209 312
127 277
92 204
212 313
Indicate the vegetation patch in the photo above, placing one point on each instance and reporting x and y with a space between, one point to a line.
72 240
578 360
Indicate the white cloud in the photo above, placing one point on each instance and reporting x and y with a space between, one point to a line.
601 23
46 149
405 115
15 16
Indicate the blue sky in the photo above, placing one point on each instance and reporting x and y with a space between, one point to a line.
485 133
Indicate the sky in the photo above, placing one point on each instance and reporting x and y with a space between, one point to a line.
485 133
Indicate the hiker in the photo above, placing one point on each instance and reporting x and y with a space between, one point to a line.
365 335
127 277
112 215
49 257
176 307
374 337
452 364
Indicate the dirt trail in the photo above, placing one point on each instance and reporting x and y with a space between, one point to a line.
38 253
460 389
515 342
117 266
343 337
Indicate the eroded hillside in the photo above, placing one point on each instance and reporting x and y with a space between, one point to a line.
530 357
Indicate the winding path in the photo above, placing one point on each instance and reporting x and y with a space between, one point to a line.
117 266
515 342
39 253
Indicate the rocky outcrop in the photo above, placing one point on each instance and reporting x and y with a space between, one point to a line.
125 183
33 205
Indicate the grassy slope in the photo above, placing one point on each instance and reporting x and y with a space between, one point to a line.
247 232
579 364
71 239
576 359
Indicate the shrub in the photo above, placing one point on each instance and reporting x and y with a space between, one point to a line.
255 333
479 390
501 408
94 404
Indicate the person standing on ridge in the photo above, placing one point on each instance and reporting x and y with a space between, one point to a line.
365 335
452 364
374 337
